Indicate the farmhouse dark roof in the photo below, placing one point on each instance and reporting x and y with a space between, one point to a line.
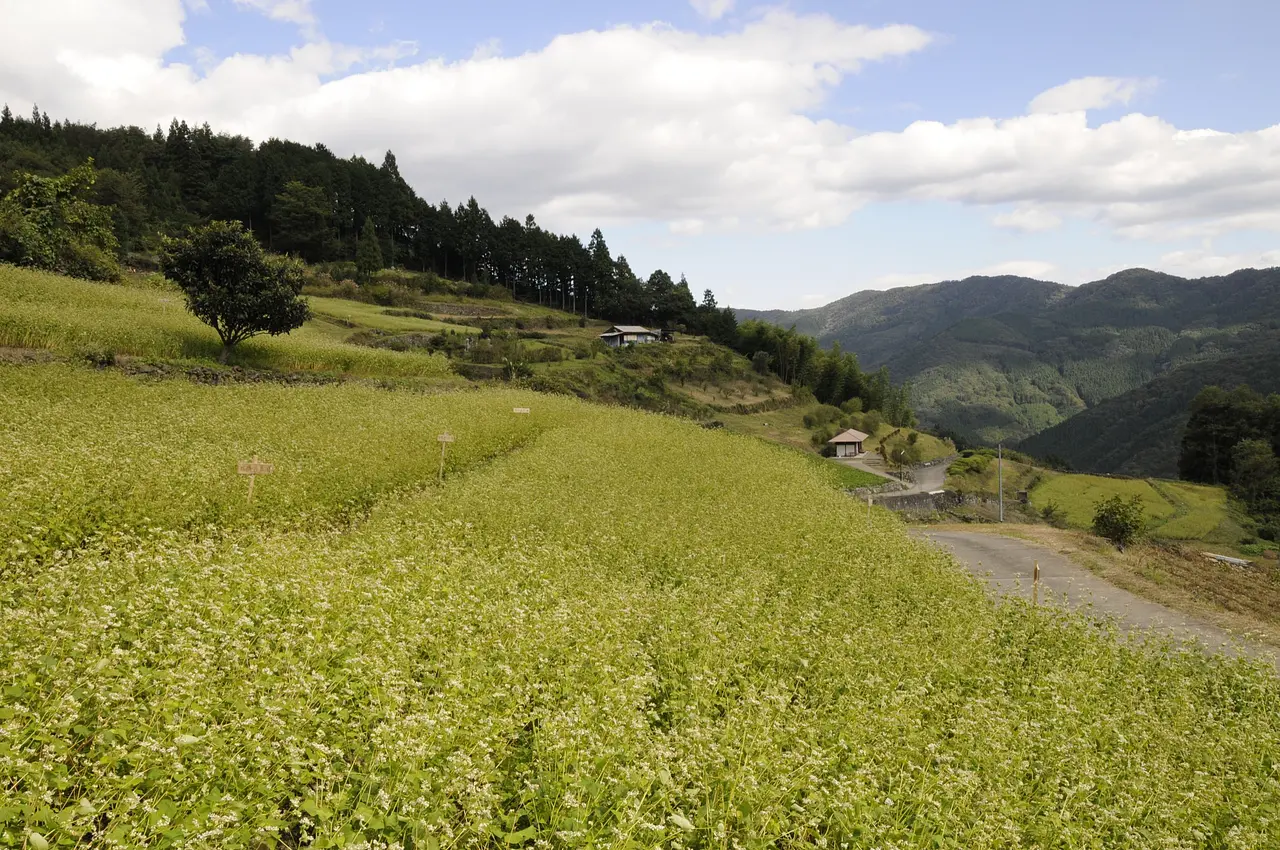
850 436
628 329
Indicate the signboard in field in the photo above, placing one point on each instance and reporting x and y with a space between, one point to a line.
254 468
445 438
519 410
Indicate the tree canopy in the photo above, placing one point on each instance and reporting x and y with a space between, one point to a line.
50 223
233 286
1233 437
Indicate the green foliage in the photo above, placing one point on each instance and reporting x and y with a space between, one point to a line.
1119 520
516 368
1053 514
368 253
823 414
233 286
631 626
1218 422
301 221
1255 471
51 223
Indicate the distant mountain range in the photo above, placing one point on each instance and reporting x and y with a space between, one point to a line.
1006 358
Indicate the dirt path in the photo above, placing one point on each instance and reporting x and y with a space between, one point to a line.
1006 564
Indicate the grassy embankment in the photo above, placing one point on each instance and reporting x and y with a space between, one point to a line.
1175 510
606 628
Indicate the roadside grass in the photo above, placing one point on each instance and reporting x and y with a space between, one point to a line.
983 480
98 320
844 477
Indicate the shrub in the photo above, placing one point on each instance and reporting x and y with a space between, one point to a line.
513 370
1119 520
1053 514
871 422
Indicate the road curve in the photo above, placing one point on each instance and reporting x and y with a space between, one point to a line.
1006 564
926 479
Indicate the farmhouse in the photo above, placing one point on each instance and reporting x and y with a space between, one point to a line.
620 335
848 444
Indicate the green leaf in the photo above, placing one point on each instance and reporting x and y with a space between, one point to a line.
682 822
527 834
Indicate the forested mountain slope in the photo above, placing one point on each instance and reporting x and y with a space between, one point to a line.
877 326
1138 432
1004 358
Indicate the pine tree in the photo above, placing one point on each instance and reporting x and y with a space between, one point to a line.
6 116
368 253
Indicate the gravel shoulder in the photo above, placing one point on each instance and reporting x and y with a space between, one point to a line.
1006 564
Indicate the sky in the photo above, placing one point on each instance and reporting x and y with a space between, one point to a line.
781 155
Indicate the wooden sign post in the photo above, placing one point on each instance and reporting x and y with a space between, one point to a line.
1035 584
445 440
519 410
868 511
254 468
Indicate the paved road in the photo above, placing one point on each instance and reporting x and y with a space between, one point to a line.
927 479
1007 565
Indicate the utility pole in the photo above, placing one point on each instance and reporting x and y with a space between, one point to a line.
1000 476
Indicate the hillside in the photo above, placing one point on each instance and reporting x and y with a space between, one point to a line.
878 326
603 624
394 332
1139 432
1004 358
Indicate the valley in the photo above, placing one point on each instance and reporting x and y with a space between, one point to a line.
1005 359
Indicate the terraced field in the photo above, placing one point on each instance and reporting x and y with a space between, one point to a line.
605 628
80 318
1175 510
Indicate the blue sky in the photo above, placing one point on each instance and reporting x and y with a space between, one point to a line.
754 166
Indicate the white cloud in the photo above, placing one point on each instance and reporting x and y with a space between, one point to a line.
1028 220
1089 93
712 10
1205 263
650 123
290 11
489 49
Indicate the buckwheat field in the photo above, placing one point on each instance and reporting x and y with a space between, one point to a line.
603 629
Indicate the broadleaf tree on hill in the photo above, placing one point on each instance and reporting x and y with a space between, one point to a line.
234 286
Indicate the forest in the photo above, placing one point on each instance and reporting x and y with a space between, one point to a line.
1233 438
124 191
